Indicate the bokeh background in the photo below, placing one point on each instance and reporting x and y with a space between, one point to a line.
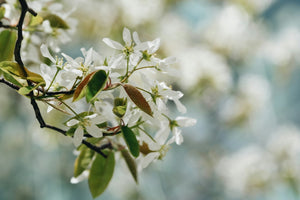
239 68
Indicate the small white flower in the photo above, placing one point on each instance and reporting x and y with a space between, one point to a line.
88 124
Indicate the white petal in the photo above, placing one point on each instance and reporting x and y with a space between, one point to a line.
170 60
88 57
142 46
136 38
180 107
162 135
113 44
72 122
80 178
78 136
154 46
91 116
94 131
149 158
71 61
178 136
45 52
185 121
127 37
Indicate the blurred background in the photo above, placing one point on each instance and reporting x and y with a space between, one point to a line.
239 65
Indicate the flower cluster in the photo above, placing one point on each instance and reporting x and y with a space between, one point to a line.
113 105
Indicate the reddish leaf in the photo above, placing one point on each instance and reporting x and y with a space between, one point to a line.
137 98
80 90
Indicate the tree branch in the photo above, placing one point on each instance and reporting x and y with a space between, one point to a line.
11 85
18 59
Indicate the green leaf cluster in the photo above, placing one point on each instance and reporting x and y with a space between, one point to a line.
91 86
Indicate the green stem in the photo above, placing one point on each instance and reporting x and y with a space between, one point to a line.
56 73
69 107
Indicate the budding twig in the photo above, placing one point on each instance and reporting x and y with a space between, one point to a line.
18 59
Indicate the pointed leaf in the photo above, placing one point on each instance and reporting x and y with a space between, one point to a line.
2 12
8 40
34 77
101 173
55 21
83 161
131 141
36 20
12 79
130 164
80 90
137 97
12 68
95 85
25 90
15 69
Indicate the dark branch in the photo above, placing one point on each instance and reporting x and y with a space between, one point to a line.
7 26
59 92
11 85
18 59
95 148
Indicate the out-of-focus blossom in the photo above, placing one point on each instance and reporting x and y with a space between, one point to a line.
204 69
233 32
246 172
252 94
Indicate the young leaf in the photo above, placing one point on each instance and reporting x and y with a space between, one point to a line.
8 40
95 85
35 20
137 97
15 69
131 141
101 173
83 161
25 90
12 79
55 21
120 106
12 68
80 90
130 164
34 77
2 12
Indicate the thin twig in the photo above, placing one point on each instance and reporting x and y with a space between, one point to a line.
11 85
18 59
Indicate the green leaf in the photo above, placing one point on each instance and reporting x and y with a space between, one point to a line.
2 12
81 88
131 141
137 98
101 173
36 20
130 164
95 85
55 21
12 68
120 106
34 77
12 79
82 161
25 90
8 40
15 69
